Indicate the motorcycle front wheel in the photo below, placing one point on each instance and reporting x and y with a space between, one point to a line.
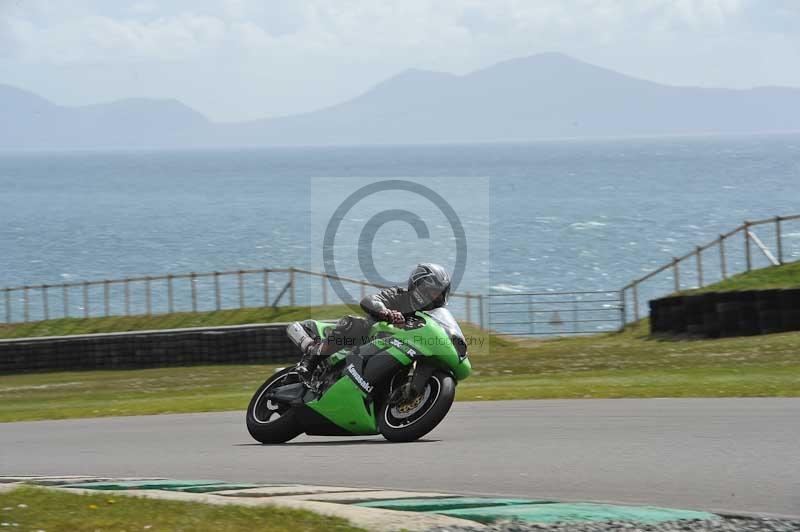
412 419
270 421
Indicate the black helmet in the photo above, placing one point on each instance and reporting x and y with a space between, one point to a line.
429 286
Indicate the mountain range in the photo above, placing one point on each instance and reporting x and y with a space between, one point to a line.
541 96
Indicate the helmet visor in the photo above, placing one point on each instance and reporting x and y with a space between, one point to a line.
429 295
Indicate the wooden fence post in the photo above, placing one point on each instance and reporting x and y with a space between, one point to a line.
106 298
240 282
127 288
45 302
193 283
700 266
170 294
291 287
8 305
26 315
217 295
778 239
635 301
266 287
482 311
676 273
148 297
85 299
747 251
723 266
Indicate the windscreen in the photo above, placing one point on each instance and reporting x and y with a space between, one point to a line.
443 317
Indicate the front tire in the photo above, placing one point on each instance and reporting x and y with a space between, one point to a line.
272 422
414 419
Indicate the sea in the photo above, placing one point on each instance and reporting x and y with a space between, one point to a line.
568 215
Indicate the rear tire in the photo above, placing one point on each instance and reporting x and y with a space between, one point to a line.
269 422
417 420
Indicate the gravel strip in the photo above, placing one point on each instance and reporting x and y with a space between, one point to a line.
732 524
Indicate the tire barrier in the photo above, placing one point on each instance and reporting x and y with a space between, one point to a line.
240 344
725 314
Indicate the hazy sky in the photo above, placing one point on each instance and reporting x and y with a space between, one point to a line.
242 59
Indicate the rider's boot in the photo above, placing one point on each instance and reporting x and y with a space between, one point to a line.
310 360
308 348
313 350
315 353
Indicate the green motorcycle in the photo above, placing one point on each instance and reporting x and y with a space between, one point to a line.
400 384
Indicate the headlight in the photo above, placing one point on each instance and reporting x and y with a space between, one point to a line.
461 347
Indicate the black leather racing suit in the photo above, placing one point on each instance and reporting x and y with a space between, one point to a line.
354 330
393 298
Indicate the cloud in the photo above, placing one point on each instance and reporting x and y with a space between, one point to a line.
96 38
279 52
277 17
93 32
143 8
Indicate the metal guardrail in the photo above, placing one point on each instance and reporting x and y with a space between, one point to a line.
750 243
556 313
188 292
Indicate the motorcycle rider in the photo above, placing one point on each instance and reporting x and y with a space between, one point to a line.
428 288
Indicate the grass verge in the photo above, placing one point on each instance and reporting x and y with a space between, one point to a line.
784 276
628 364
30 508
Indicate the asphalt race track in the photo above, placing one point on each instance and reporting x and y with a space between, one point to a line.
739 455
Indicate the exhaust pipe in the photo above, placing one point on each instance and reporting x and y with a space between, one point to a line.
298 335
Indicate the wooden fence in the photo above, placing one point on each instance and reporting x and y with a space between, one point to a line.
725 244
195 292
273 287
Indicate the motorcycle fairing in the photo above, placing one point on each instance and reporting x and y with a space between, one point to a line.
347 406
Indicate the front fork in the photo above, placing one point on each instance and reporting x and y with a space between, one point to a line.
414 384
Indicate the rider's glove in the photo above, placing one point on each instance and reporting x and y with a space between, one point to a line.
392 316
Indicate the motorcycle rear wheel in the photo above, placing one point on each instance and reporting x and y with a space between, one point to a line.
269 421
414 419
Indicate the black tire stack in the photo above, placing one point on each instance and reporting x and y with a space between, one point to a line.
711 320
726 314
770 314
693 308
790 309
